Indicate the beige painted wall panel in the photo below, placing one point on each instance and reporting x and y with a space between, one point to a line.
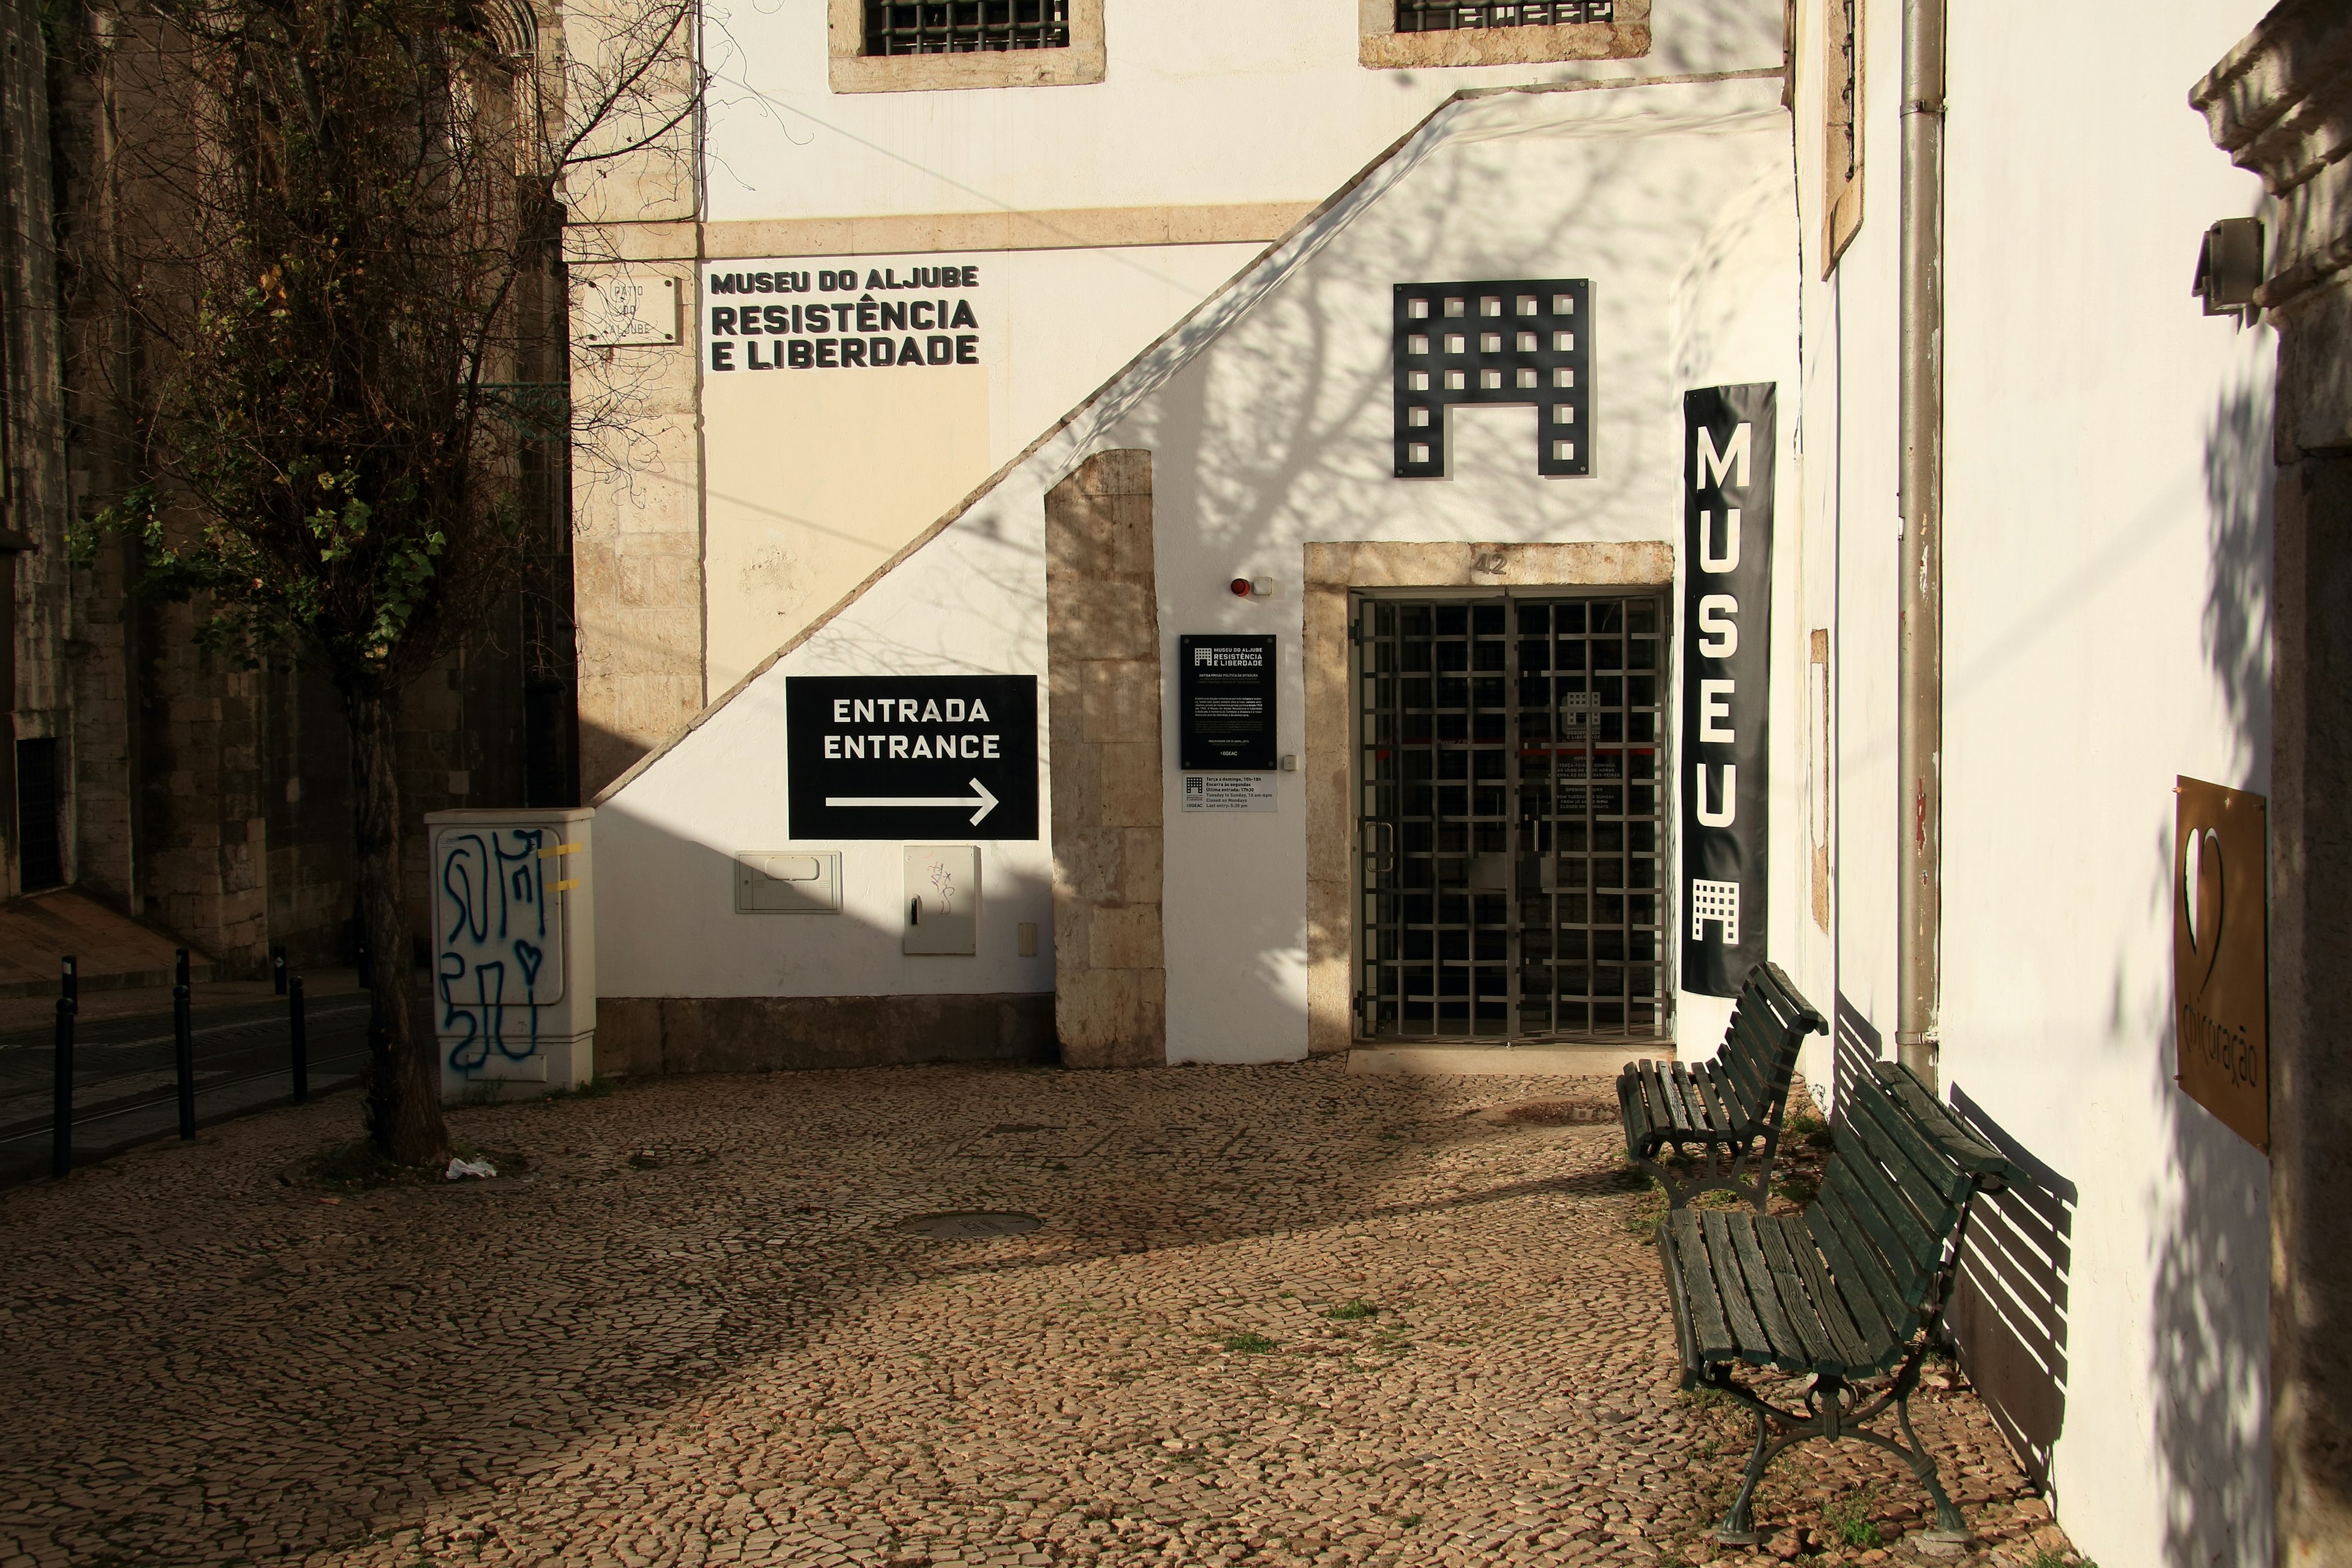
817 477
815 480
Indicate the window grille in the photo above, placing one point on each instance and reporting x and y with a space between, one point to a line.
1512 819
966 26
1423 17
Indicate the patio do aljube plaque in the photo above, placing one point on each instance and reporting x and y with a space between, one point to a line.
2221 954
1225 702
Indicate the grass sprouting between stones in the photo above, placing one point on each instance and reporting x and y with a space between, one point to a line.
1849 1518
1353 1311
1248 1344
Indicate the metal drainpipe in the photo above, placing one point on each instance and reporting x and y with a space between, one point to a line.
1920 714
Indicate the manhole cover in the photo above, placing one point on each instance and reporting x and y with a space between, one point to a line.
970 1227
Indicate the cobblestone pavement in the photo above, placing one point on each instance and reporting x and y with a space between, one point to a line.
1271 1315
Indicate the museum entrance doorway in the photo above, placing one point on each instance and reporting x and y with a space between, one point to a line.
1510 817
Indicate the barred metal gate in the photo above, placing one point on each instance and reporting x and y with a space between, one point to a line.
1511 827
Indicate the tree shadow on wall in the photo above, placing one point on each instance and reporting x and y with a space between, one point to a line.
2212 1264
1278 433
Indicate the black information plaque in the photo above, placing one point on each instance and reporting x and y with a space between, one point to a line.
1225 704
911 756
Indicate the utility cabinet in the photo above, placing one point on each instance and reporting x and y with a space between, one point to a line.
514 949
787 882
941 906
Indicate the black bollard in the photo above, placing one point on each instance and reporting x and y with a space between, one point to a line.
61 1130
277 974
367 970
183 1047
299 1031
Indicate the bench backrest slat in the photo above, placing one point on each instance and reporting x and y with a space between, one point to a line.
1758 1028
1896 1196
1935 1123
1744 1077
1894 1232
1863 1283
1933 1184
1769 1025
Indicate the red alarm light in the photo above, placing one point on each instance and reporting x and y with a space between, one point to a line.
1240 587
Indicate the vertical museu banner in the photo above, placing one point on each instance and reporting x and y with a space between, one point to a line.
1726 640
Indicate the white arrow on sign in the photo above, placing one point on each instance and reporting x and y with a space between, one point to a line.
985 800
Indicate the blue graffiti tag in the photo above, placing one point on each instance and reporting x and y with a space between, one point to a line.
496 884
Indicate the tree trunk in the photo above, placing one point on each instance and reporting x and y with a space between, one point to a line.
403 1064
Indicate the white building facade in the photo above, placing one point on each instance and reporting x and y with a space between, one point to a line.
1063 601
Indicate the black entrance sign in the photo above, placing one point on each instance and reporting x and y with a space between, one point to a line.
1727 638
911 756
1225 704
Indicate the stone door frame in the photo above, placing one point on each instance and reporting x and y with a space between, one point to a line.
1330 574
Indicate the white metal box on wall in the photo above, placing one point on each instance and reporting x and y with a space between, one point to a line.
942 899
514 949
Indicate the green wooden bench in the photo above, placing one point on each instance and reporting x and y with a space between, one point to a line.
1849 1289
1727 1111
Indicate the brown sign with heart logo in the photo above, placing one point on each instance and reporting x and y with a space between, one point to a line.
2221 954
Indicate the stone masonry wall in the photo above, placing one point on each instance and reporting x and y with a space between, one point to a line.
1102 643
211 799
637 587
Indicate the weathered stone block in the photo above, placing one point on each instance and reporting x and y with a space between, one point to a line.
1127 471
1088 864
1107 620
1131 537
1125 937
1065 703
1144 1043
1094 1012
1078 790
1121 699
753 1034
1078 537
1130 786
1139 878
1072 936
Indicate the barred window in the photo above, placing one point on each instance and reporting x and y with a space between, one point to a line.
966 26
1440 15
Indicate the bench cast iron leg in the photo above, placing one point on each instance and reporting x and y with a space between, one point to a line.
1739 1524
1949 1525
1716 1168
